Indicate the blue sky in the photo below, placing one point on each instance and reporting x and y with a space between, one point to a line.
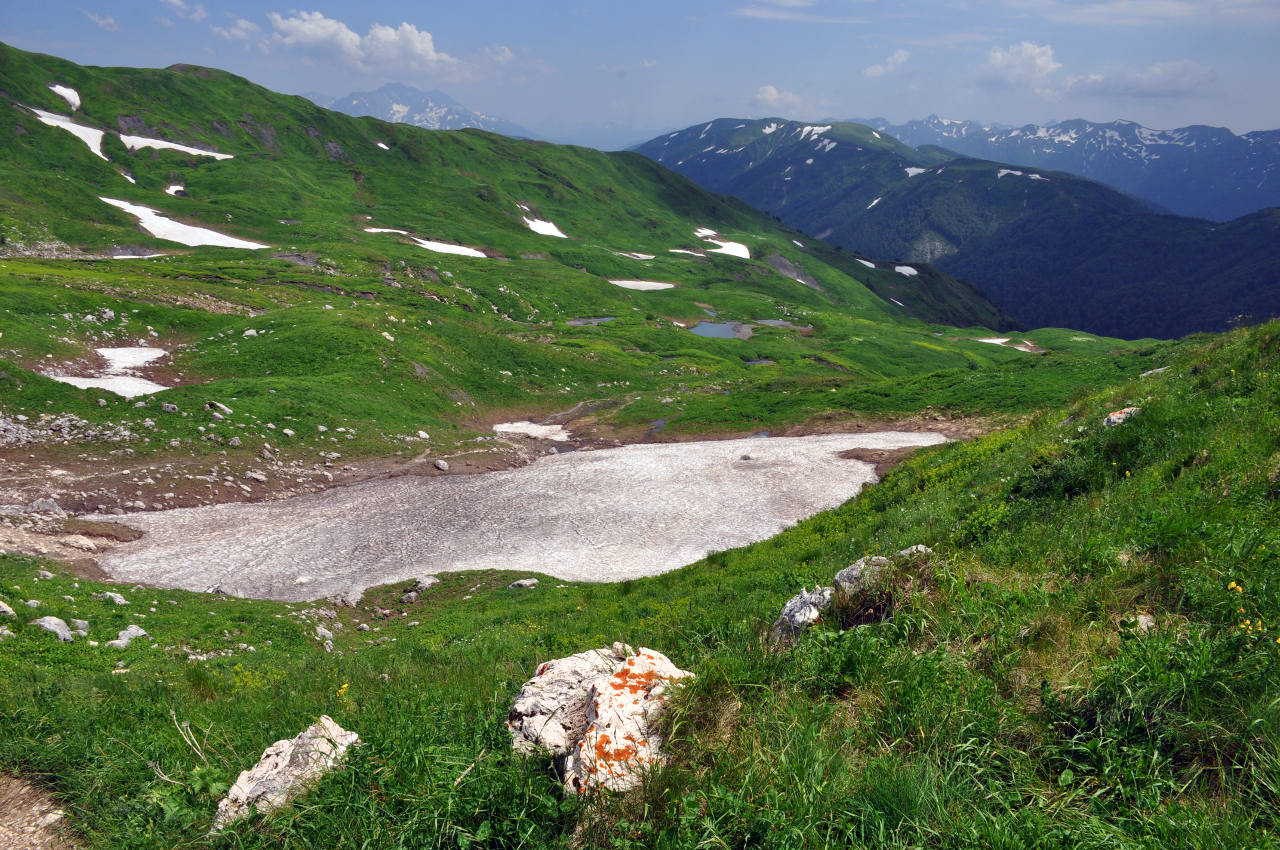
610 74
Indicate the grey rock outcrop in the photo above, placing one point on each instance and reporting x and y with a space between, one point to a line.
126 636
55 625
801 611
287 769
862 573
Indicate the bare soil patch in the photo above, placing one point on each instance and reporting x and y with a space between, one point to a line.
30 818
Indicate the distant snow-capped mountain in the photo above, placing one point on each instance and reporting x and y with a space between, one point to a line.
1201 171
404 104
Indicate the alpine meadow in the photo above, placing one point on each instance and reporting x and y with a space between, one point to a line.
366 483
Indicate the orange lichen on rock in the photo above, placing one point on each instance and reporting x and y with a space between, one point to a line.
620 743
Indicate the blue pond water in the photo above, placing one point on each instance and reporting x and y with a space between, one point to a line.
722 330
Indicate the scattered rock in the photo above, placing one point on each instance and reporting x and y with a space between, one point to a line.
45 506
5 634
218 406
33 603
1119 417
80 625
234 442
110 596
363 627
524 583
424 583
126 636
256 475
5 610
917 551
441 464
409 598
43 574
622 742
287 768
249 332
346 599
169 407
423 435
803 610
55 625
550 712
79 541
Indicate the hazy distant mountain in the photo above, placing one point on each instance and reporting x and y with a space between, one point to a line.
404 104
1048 247
1202 171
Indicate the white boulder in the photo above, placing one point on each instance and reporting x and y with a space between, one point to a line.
287 768
550 712
622 742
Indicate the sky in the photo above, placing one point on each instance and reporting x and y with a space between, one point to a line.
612 74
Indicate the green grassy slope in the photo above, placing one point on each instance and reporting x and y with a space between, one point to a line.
1052 249
372 329
1002 696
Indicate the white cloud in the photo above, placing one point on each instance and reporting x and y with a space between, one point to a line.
1026 63
499 53
107 22
774 98
391 48
1182 78
895 61
183 9
239 30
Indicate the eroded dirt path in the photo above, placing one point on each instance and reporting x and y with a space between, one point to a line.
601 515
30 818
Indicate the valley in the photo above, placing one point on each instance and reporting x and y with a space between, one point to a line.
315 421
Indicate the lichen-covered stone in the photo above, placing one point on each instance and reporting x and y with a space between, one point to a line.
1119 417
550 712
622 742
287 768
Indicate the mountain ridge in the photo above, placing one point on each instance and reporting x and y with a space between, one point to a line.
1198 170
401 103
1049 247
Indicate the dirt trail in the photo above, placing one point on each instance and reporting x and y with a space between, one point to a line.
30 818
600 515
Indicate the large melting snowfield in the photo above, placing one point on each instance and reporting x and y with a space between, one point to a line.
601 515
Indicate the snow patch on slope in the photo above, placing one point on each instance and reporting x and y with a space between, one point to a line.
134 143
68 94
88 135
160 227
